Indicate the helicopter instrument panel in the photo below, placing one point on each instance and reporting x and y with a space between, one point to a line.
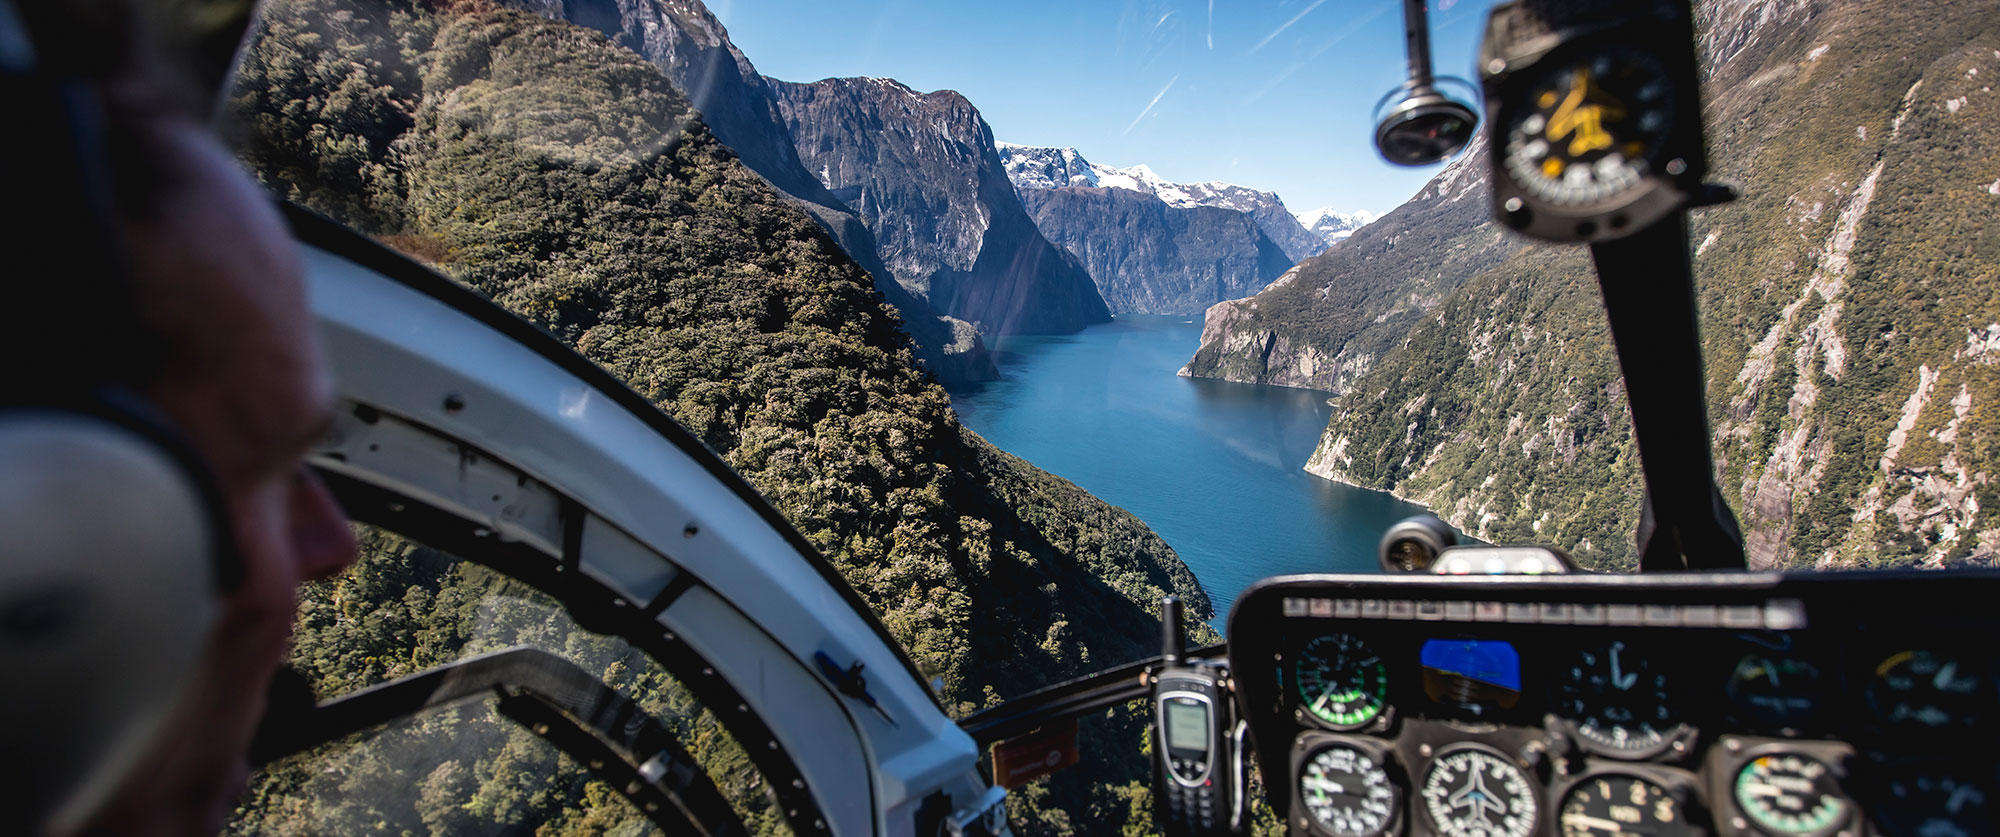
1812 705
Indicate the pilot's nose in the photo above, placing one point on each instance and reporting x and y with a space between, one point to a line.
322 542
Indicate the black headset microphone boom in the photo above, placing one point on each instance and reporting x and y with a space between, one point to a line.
114 548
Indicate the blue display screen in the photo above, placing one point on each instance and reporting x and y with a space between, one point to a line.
1481 661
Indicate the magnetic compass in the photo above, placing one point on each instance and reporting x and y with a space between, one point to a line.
1596 117
1590 129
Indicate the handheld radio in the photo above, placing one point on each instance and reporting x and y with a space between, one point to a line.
1198 759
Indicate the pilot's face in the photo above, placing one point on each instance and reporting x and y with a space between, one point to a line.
218 277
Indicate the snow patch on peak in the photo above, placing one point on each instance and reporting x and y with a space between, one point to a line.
1037 167
1332 225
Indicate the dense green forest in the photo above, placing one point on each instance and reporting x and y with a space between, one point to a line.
1849 302
564 177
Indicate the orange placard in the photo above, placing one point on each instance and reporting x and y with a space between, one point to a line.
1025 758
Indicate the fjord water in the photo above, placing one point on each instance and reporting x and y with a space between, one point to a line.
1214 467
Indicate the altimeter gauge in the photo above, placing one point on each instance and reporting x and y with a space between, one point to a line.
1348 793
1617 702
1471 791
1791 795
1614 804
1341 681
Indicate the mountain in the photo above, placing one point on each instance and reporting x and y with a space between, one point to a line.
1147 256
691 47
1037 167
1331 317
1849 320
921 170
1333 226
566 178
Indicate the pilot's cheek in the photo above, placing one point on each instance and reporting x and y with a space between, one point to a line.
321 541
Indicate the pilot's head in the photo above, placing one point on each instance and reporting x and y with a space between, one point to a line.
213 280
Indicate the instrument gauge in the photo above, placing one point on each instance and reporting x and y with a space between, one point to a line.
1774 691
1791 795
1617 702
1588 131
1610 805
1929 692
1475 792
1929 804
1341 681
1348 793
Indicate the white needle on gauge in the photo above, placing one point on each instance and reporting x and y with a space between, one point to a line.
1588 821
1328 785
1622 681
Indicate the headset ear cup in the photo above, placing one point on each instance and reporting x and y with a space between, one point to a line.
108 558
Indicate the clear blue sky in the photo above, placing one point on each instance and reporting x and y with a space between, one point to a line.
1272 94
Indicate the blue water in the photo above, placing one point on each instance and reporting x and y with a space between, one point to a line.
1213 467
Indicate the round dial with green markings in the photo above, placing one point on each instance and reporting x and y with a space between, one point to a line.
1791 795
1341 681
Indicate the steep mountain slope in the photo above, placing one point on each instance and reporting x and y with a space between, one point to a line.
1146 254
1848 313
921 171
686 42
1040 167
1148 257
1333 226
1328 319
542 165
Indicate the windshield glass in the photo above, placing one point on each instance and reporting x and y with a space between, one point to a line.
476 765
1028 315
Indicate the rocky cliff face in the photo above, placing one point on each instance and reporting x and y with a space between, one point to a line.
690 46
1335 313
921 170
1848 317
1151 258
1037 167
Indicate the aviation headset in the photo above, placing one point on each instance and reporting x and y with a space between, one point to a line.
114 544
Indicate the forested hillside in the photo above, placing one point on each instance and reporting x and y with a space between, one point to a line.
1850 303
565 177
685 41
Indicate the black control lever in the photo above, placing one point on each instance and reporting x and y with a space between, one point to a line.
1648 291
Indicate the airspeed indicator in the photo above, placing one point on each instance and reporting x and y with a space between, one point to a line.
1348 792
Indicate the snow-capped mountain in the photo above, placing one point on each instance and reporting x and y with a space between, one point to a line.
1037 167
1331 225
1034 167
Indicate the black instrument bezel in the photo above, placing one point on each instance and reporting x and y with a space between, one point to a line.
1844 623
